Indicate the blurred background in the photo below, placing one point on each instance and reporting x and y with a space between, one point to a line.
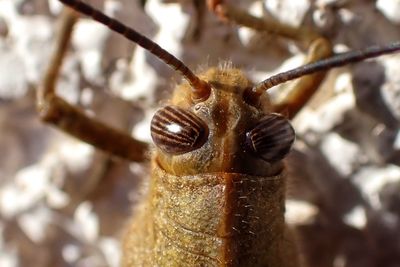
63 203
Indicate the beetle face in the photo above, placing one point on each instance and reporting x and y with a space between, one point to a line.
222 133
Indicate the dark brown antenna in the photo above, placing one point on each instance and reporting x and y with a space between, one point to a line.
200 88
323 65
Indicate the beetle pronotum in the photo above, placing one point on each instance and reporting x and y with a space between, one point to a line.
223 207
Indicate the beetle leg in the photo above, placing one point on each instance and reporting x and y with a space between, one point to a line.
54 110
302 89
318 48
228 12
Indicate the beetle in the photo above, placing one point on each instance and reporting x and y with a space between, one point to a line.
253 99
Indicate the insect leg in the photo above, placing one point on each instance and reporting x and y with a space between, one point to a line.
302 89
54 110
318 48
241 17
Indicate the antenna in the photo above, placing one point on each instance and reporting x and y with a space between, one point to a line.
200 89
337 60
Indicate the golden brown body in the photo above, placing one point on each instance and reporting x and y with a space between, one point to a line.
217 205
220 219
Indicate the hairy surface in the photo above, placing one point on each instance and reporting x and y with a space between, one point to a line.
215 219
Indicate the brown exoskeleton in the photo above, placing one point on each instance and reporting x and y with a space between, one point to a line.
217 191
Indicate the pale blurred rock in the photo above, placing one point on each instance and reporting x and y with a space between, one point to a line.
390 8
289 12
13 79
341 154
356 217
35 223
299 212
371 180
87 222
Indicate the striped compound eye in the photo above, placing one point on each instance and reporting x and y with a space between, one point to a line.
272 138
177 131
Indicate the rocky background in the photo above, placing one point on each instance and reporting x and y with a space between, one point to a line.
62 203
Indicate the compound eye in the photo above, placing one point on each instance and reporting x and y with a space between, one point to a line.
177 131
272 138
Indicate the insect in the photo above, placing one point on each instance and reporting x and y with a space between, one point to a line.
238 188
